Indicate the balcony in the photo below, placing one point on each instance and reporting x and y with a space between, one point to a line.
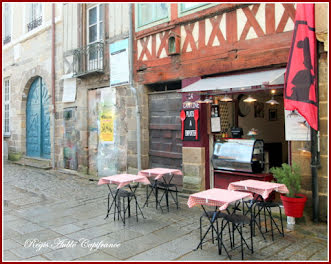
88 59
35 23
6 40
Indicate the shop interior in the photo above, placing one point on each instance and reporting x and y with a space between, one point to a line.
255 115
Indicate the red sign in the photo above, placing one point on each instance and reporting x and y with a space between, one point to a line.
300 80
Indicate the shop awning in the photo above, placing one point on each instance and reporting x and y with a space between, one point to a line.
238 82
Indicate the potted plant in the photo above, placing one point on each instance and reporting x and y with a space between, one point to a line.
293 202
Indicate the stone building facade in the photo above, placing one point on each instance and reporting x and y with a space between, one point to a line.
27 56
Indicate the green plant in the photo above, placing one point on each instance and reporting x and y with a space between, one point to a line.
290 176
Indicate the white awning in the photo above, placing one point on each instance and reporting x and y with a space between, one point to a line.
238 82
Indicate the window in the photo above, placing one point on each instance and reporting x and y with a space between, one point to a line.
151 14
6 128
95 25
6 24
188 8
34 15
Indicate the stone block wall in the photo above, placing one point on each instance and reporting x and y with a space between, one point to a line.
193 169
324 137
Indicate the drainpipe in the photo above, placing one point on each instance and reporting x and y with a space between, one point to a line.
53 82
133 89
315 161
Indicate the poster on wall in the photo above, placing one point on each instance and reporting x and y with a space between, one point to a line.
190 124
69 90
107 126
119 62
296 127
107 116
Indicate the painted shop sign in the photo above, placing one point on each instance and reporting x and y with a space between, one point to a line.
190 119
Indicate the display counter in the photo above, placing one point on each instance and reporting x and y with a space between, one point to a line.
237 160
224 178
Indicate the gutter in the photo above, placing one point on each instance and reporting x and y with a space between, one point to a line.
134 89
53 81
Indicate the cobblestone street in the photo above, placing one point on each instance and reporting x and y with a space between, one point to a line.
47 206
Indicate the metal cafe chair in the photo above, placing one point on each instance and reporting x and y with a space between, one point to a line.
237 221
267 207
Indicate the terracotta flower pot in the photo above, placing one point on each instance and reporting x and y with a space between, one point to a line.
294 206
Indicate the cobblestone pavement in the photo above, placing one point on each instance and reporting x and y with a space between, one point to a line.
47 214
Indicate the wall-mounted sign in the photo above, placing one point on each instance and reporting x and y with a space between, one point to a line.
191 125
119 62
296 127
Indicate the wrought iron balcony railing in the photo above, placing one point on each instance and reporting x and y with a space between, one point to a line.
88 59
35 23
6 40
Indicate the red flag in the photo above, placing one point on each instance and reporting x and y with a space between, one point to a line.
300 91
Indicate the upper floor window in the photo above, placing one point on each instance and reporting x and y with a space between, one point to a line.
6 105
150 14
6 24
95 23
188 8
34 15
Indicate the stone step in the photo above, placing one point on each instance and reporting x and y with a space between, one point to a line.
35 162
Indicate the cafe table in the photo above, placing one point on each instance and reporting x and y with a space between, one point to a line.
220 198
122 180
263 190
159 174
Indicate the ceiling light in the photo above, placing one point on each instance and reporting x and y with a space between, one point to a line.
272 101
273 91
226 98
208 101
249 99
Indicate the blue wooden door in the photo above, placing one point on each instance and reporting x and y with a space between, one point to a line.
37 121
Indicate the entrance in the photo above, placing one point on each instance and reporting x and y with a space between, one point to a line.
165 146
38 142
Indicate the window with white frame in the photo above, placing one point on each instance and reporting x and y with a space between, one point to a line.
34 15
95 28
6 104
6 23
150 14
188 8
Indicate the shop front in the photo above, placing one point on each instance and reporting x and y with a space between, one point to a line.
238 119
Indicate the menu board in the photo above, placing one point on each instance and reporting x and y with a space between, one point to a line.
191 131
296 127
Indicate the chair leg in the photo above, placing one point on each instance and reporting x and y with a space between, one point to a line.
129 211
167 199
201 231
241 243
271 219
281 220
265 220
176 197
124 210
136 210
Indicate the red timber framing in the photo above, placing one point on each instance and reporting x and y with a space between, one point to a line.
222 38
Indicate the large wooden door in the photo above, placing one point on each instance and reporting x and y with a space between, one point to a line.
38 142
165 145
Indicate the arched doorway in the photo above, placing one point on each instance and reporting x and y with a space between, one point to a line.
38 142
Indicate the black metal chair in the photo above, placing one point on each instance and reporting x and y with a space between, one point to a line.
209 215
267 211
237 221
167 188
123 199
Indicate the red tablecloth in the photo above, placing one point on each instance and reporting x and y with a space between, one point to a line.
123 179
216 197
259 187
158 173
